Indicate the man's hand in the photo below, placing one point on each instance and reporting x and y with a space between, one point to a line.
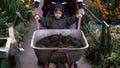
37 17
35 12
79 15
81 11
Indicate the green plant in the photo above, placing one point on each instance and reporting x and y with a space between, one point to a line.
115 55
107 10
2 42
3 24
107 60
92 53
16 10
21 34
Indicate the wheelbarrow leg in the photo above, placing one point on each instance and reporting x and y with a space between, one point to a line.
71 65
60 65
45 65
75 65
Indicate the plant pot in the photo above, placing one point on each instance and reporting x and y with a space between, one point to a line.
10 51
10 34
13 52
4 47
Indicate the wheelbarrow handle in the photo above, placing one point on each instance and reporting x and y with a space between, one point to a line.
37 22
79 22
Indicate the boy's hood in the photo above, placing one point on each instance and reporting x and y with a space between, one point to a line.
61 6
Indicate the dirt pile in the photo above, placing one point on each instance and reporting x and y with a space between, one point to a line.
59 41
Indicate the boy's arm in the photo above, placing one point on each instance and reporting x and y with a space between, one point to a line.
35 8
43 21
72 19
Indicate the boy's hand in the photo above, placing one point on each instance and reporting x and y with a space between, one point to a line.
35 12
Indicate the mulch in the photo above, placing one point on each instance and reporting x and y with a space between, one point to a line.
59 41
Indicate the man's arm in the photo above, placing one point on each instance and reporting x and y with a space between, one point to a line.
35 8
36 3
80 7
80 3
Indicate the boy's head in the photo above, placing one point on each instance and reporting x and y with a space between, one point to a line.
57 12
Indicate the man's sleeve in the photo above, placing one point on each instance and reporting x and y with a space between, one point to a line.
80 3
36 3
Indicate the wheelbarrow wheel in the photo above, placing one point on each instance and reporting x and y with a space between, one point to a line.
60 65
75 65
40 63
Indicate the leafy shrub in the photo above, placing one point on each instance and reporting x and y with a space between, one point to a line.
17 10
107 10
3 24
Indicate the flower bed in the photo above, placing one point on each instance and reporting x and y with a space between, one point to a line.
109 60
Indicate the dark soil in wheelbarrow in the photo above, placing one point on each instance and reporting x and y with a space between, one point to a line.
59 41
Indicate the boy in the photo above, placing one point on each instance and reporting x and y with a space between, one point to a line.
70 8
58 20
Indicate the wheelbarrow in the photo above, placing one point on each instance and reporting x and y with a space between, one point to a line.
59 56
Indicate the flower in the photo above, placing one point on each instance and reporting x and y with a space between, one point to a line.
29 0
118 16
27 6
110 4
109 10
22 1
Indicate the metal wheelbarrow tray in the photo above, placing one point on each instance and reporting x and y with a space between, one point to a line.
58 54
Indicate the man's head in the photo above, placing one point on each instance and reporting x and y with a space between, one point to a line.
57 12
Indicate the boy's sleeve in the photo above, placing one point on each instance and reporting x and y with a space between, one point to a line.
80 3
72 19
43 21
36 3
